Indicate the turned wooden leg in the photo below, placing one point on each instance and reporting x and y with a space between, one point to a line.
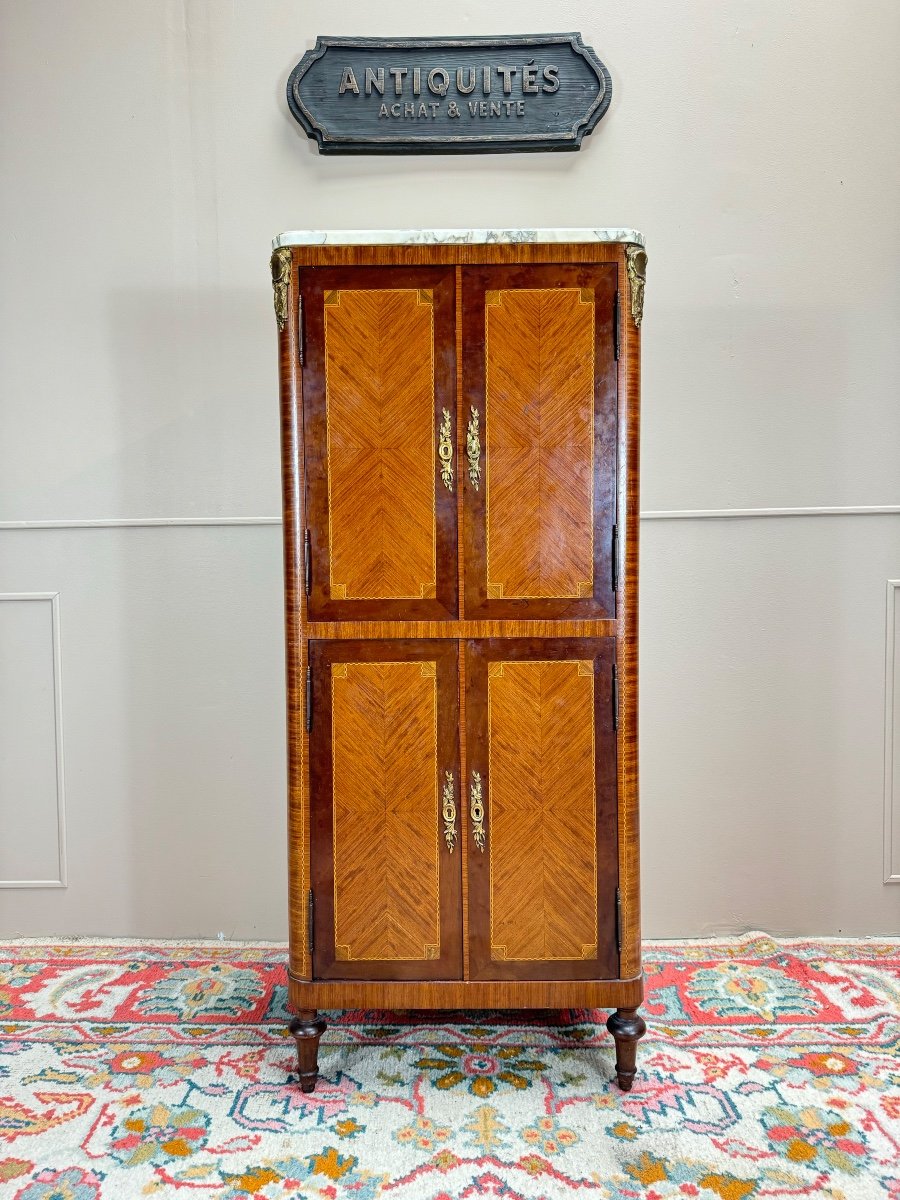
306 1029
626 1026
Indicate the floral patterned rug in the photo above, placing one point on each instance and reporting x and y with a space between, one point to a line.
160 1069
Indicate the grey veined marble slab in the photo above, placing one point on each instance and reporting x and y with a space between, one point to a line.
417 237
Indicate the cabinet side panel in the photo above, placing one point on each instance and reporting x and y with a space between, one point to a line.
292 482
627 643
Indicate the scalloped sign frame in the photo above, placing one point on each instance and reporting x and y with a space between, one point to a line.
475 95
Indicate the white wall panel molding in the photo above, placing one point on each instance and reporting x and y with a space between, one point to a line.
663 514
892 736
139 522
23 803
707 514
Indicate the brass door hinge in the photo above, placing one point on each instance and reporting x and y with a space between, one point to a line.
307 562
615 697
309 711
615 558
310 922
616 327
300 330
618 920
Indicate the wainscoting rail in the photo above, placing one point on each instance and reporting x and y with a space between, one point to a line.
663 514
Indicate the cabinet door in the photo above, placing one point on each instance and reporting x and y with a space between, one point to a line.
539 376
379 405
383 752
542 870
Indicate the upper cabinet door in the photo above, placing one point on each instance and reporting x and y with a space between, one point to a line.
379 407
539 403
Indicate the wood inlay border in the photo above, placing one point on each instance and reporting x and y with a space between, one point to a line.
386 630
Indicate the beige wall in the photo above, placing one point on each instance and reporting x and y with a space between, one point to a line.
148 158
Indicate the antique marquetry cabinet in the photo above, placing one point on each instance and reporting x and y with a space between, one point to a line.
460 469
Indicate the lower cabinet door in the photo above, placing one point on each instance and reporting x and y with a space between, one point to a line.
540 809
384 810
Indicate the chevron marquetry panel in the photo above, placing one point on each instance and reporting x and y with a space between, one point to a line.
379 388
539 414
386 820
542 818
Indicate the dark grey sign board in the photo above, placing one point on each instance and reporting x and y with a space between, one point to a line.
446 95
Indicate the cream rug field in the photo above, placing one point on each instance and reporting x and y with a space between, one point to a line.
162 1069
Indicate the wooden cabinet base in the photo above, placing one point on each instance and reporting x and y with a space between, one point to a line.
306 996
625 1025
306 1029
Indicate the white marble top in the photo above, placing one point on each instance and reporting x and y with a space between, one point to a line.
416 237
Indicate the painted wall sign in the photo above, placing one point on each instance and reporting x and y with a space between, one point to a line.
440 95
